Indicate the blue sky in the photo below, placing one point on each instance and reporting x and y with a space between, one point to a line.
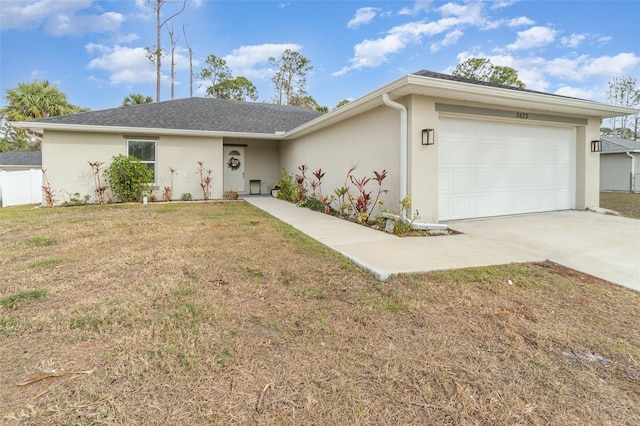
94 50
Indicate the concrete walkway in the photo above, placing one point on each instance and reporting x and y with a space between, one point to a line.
604 246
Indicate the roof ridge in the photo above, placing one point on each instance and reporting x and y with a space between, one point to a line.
451 77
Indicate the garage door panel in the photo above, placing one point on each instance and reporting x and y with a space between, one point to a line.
491 169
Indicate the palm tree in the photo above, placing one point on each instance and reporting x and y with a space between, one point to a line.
137 99
38 99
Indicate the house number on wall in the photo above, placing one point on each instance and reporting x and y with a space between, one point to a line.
522 115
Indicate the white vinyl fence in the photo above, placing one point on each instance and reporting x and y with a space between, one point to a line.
21 187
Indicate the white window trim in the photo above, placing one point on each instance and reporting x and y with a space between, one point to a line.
155 154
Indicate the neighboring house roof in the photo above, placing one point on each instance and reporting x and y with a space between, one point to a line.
21 158
611 145
200 114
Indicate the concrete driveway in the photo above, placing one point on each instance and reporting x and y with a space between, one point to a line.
604 246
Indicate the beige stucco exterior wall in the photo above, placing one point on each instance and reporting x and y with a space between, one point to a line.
370 141
423 159
262 162
65 156
587 166
183 153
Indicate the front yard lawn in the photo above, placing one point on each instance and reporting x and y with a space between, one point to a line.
216 313
622 202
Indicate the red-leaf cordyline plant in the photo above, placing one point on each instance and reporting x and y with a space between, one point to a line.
363 204
100 188
317 185
48 191
205 180
301 181
168 190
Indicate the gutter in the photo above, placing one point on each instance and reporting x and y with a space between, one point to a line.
277 135
631 170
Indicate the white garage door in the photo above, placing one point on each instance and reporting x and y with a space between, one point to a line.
490 169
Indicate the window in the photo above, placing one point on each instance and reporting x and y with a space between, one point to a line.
145 151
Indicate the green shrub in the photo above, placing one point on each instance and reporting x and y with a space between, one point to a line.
313 204
231 195
186 196
76 200
128 177
287 187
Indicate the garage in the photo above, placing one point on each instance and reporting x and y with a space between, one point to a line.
493 168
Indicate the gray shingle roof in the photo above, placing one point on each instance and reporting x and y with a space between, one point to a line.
205 114
21 158
611 144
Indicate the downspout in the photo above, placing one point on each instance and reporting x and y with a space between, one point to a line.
404 152
404 173
631 170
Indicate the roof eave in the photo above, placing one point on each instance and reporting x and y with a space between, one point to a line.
515 98
141 130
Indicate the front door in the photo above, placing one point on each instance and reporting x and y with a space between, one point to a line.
233 168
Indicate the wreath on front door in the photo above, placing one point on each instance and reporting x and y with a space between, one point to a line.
234 163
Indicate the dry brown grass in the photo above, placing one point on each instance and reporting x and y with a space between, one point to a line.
211 313
622 202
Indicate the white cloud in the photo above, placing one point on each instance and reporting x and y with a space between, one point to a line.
363 16
604 40
418 6
470 13
246 60
574 40
500 4
622 63
566 68
57 17
583 67
61 25
578 92
126 38
373 53
451 38
520 22
30 14
127 65
533 37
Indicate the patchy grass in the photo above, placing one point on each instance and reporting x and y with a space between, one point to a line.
14 300
622 202
216 313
